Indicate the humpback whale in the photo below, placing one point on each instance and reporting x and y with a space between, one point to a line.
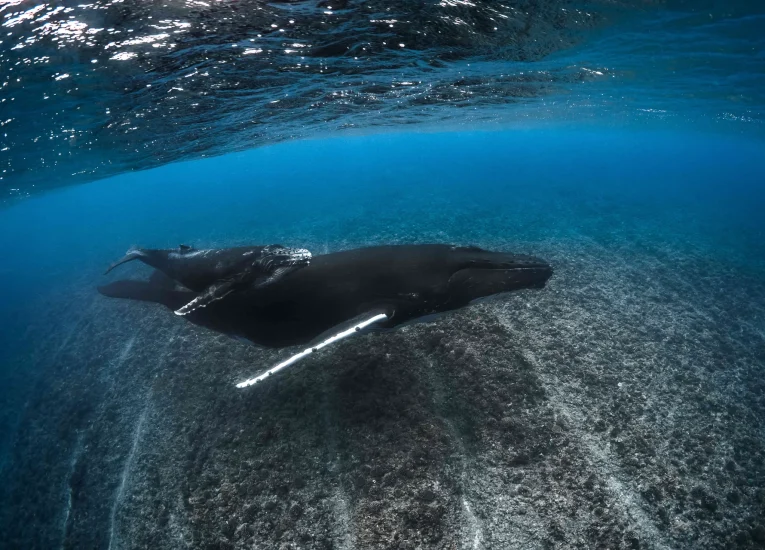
215 273
343 293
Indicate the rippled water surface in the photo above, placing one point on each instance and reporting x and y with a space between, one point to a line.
93 89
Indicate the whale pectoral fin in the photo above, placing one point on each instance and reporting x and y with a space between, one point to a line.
277 274
222 289
212 294
352 323
359 323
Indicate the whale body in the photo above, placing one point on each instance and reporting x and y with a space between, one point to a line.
406 282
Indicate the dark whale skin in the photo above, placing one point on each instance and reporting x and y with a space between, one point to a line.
406 282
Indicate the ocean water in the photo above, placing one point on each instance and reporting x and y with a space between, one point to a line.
620 406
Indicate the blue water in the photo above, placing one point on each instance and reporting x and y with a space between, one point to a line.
702 195
705 191
625 144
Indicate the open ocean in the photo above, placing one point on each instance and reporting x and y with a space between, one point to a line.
620 406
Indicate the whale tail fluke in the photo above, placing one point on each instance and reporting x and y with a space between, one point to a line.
131 254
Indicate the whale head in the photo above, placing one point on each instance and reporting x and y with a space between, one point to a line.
420 282
477 273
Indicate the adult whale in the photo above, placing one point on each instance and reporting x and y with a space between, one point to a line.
341 293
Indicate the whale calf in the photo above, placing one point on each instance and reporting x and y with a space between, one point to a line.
215 273
339 293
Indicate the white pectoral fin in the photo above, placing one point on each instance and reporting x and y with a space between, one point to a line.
223 288
375 318
213 293
277 274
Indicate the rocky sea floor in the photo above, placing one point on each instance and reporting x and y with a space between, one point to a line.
623 406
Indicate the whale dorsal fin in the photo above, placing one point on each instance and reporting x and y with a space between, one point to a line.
184 247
